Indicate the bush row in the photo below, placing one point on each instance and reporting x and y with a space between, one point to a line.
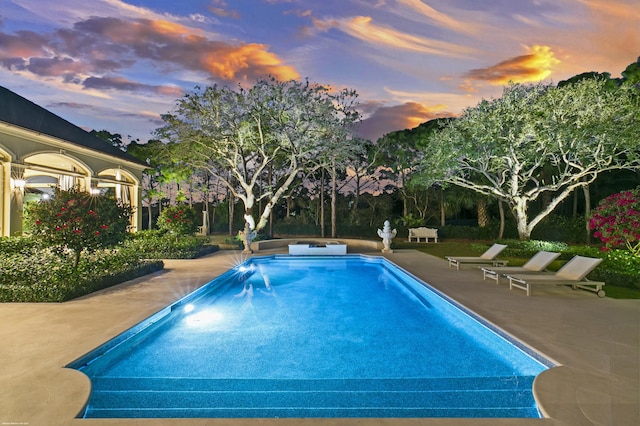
48 276
162 245
553 228
619 267
31 273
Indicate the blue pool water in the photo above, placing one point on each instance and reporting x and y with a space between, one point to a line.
283 336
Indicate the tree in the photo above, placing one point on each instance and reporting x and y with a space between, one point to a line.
400 156
178 220
361 173
78 221
156 155
500 147
114 139
631 74
239 135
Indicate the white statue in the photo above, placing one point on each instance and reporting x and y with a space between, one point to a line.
386 234
249 233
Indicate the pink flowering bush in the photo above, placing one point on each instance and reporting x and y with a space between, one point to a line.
178 220
77 221
616 221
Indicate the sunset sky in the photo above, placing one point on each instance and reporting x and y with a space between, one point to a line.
117 65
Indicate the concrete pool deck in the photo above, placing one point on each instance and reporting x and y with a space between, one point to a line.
595 341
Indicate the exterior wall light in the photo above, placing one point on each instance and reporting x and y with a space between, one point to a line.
19 184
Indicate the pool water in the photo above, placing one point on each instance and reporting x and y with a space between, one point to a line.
286 336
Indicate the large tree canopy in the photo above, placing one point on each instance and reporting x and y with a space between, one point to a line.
258 140
534 140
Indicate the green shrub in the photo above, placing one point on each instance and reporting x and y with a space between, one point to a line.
17 245
411 221
178 220
560 228
163 245
284 228
463 232
235 242
41 277
30 273
620 268
517 248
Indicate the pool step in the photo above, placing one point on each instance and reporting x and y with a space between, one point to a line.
184 398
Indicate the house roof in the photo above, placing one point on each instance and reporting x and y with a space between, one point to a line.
18 111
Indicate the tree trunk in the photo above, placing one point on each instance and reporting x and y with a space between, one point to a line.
587 211
333 201
354 207
230 200
522 221
270 181
405 204
213 216
442 211
483 213
322 227
501 210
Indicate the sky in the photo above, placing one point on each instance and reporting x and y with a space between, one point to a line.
117 65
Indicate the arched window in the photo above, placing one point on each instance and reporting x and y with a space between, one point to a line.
45 171
121 182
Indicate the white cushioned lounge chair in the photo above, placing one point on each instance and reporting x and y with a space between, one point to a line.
537 263
487 258
573 273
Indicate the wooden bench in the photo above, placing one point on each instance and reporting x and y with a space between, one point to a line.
422 232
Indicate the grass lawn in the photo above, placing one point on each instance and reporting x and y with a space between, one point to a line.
466 248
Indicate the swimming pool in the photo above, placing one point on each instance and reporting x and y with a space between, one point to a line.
287 336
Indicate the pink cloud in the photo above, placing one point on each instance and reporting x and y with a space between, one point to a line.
385 119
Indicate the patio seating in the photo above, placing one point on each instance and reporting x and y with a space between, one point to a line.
537 263
423 233
488 257
573 273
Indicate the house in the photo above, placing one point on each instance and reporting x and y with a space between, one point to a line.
40 151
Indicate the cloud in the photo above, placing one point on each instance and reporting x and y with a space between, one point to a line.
141 117
220 8
385 119
21 45
98 46
532 67
120 83
363 28
299 12
439 19
442 104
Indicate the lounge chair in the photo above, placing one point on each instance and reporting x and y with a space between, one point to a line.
537 263
573 273
488 257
